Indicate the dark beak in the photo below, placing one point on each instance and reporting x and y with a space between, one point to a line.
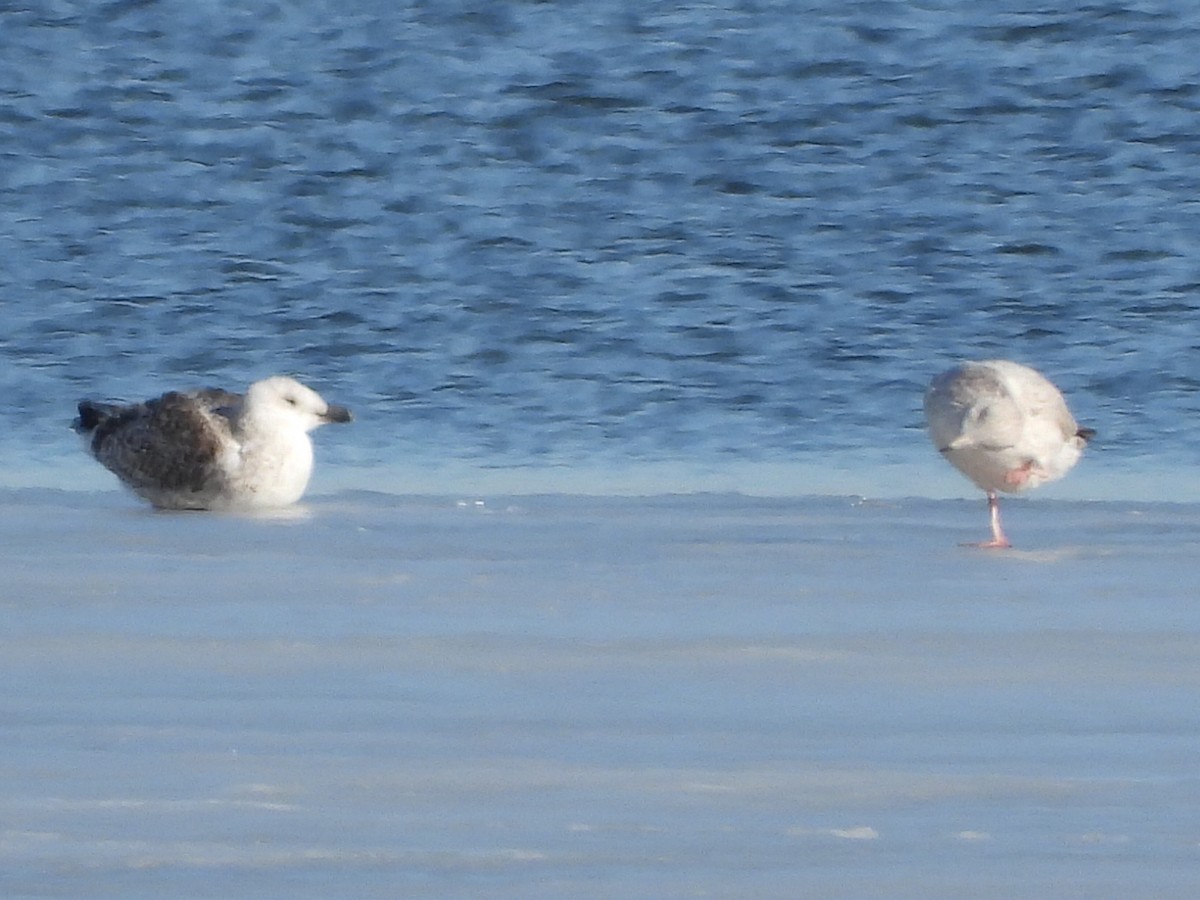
337 414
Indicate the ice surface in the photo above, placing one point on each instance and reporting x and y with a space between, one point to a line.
598 697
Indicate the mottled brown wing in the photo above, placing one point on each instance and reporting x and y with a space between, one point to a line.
172 443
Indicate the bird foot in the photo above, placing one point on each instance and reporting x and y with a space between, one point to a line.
994 544
1017 477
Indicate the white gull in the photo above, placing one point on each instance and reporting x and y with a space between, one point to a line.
1005 427
210 448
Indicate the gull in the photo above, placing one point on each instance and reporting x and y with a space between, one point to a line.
1005 427
210 448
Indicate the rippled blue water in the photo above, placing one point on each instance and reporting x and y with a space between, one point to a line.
521 233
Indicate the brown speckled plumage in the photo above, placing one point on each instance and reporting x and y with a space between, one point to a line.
172 443
210 448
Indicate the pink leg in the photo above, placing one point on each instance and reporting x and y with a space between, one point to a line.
998 541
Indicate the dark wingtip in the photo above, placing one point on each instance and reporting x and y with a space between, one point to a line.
89 417
1086 433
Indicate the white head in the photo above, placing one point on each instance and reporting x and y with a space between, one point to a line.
284 400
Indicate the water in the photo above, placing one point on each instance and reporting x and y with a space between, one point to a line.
585 234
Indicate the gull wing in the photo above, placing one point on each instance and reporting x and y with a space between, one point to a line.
173 443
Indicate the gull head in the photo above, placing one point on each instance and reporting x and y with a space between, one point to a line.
284 400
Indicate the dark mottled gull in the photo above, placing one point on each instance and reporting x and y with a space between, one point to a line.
209 448
1005 426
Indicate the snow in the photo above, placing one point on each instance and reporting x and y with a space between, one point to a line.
703 695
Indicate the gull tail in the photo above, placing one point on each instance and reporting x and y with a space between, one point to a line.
92 415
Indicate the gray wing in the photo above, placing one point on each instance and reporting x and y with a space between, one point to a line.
971 407
173 443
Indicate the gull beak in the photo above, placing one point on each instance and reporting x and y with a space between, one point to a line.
334 413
